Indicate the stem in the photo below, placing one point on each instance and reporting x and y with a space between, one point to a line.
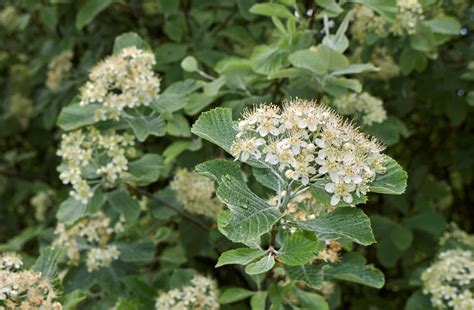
169 206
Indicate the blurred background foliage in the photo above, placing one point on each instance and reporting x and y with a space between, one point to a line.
429 99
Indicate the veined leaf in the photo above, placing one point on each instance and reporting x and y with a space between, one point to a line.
147 169
353 268
123 203
393 181
75 116
298 248
311 274
263 265
356 68
344 222
216 126
265 177
217 168
249 217
129 39
144 126
242 256
271 9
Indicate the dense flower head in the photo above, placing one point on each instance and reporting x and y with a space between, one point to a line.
307 142
450 279
366 21
382 59
202 293
93 234
364 107
21 108
95 154
58 69
409 13
123 80
456 235
196 193
331 252
24 289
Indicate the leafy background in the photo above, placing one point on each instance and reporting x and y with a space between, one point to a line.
428 131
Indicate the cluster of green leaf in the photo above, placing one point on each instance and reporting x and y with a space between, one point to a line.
226 56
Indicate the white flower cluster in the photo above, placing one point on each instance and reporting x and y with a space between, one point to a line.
306 142
409 12
201 294
84 152
41 202
366 21
450 279
382 59
58 68
196 193
24 289
92 233
124 80
458 236
21 108
364 107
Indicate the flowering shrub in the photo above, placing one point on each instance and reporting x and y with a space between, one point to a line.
236 154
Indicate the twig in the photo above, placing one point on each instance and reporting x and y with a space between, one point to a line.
169 206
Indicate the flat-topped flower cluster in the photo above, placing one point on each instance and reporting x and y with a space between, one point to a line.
58 68
364 107
306 142
24 289
92 234
90 154
201 293
196 193
124 80
409 13
450 279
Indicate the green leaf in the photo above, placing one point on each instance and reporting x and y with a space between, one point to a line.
393 181
309 60
266 59
198 101
216 126
234 294
271 9
330 5
386 8
212 89
298 248
444 25
258 300
263 265
419 301
428 221
129 39
178 126
249 217
144 126
174 98
70 211
47 262
89 10
217 168
241 256
336 86
402 237
189 64
124 204
265 177
344 222
353 268
311 274
140 251
146 170
356 68
411 60
75 116
71 300
309 300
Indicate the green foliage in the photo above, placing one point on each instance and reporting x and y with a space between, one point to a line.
270 245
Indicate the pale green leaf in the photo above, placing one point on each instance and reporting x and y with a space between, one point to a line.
71 300
271 9
356 68
249 217
144 126
393 181
70 211
216 126
298 249
266 59
75 116
189 64
268 179
46 263
129 39
146 170
444 25
353 268
258 300
217 168
242 256
344 222
311 274
234 294
263 265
